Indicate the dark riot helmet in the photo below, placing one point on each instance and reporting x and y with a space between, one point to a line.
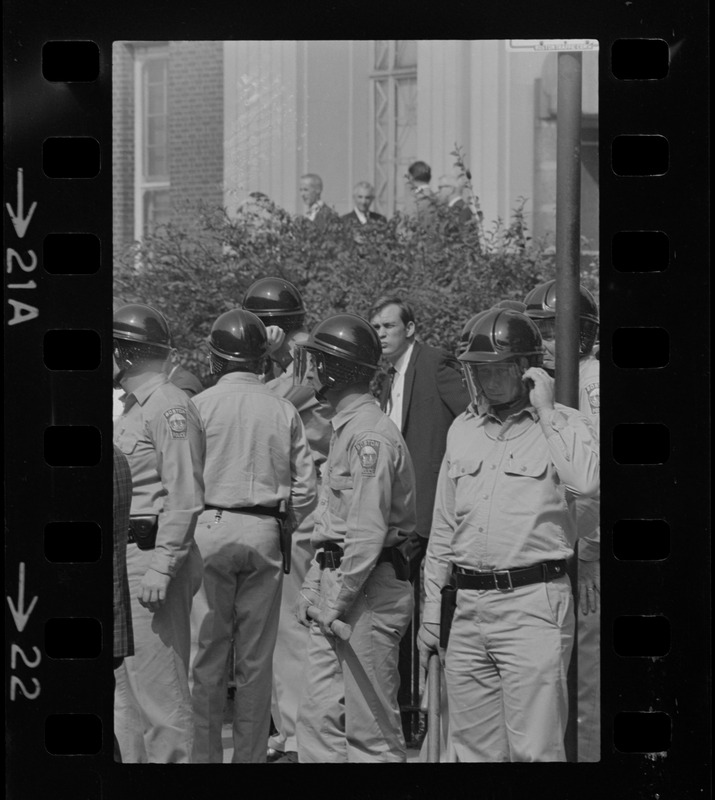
237 341
541 307
466 333
344 349
139 333
516 305
275 301
500 336
502 333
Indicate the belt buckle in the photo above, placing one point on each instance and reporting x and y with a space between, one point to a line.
496 573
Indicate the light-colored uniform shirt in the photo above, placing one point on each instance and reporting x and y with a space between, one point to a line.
257 453
588 509
502 494
161 435
397 391
314 414
367 501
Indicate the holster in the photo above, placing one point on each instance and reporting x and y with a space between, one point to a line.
142 531
400 564
446 613
286 526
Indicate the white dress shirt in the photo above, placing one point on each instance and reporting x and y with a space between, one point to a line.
394 408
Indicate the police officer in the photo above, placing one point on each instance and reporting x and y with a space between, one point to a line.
502 524
541 307
161 435
360 574
278 304
257 462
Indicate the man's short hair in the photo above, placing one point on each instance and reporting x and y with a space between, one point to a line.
364 185
420 171
316 180
407 313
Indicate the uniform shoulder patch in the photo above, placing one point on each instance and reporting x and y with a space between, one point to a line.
368 452
176 419
593 392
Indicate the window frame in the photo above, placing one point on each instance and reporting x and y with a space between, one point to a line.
144 53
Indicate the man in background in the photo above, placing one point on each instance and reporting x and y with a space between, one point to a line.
363 197
311 190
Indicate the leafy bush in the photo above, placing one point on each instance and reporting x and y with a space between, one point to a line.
447 271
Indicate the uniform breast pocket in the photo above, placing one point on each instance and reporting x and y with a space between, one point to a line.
464 473
464 467
127 443
526 468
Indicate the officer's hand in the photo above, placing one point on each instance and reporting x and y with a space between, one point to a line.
541 388
276 338
326 617
427 641
589 586
306 599
152 590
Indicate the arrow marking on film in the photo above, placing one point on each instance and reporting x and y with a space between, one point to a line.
18 612
20 221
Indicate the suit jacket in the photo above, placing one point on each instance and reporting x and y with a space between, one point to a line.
352 217
461 211
324 216
433 396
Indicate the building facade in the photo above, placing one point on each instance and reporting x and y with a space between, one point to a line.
214 121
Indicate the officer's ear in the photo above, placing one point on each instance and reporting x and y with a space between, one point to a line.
410 330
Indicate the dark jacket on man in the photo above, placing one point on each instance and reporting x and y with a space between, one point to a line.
353 219
433 396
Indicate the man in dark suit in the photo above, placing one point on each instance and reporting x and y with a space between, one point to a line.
363 196
449 193
422 395
311 189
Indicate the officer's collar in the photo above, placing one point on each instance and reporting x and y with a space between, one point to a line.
346 414
145 390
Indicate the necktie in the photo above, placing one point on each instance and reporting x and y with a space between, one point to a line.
386 403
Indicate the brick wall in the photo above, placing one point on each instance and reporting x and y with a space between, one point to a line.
195 125
122 146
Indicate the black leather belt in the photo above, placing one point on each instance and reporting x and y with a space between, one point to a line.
506 580
331 555
271 511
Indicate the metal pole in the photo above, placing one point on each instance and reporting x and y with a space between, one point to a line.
568 258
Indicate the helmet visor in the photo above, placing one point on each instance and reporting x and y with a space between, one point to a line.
307 364
546 326
497 383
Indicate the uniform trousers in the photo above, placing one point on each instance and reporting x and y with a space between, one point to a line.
506 666
240 594
291 651
152 703
335 723
588 637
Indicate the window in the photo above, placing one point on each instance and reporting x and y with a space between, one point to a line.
394 104
151 193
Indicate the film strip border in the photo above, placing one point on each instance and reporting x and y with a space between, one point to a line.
655 629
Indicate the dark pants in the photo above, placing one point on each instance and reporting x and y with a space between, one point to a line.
409 661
